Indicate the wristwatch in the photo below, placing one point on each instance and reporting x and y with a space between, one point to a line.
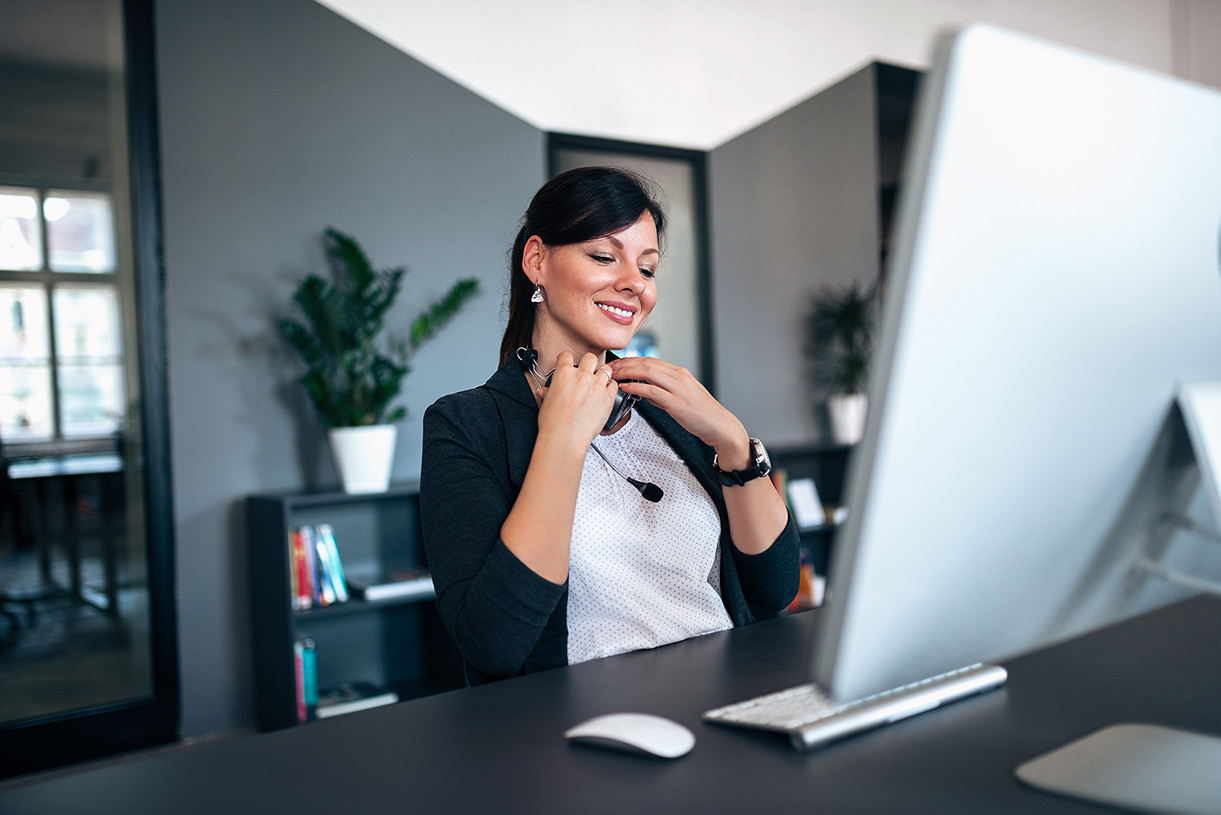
736 478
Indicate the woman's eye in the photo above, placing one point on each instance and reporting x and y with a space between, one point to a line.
649 274
603 258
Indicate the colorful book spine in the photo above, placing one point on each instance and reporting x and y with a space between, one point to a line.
316 570
324 591
338 581
311 566
304 595
299 676
293 579
309 677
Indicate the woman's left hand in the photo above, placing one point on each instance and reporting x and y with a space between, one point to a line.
676 391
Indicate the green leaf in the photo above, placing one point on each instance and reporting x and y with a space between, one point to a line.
441 312
355 271
353 370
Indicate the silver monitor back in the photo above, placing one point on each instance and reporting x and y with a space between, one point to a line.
1056 276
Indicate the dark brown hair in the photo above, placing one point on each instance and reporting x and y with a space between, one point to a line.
576 206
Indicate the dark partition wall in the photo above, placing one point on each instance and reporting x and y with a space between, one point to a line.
802 200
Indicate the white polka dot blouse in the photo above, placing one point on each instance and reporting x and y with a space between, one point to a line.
641 574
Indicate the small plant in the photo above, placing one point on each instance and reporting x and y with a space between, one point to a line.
838 344
350 379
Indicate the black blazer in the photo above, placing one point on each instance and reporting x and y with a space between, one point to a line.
505 618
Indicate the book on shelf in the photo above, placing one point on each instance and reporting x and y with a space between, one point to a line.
351 697
309 673
329 549
296 570
316 570
324 591
305 671
396 584
305 591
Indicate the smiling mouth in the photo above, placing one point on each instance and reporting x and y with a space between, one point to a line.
621 312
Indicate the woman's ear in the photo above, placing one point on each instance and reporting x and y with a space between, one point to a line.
532 259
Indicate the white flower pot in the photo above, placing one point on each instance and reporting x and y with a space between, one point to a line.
847 415
364 456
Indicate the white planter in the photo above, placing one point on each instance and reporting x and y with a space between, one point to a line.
847 415
364 456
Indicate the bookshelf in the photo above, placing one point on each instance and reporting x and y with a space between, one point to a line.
398 644
827 464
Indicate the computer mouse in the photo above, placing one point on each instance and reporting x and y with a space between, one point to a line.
635 733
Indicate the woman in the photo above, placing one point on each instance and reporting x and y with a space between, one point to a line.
542 550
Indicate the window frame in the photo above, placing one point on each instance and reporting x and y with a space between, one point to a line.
49 280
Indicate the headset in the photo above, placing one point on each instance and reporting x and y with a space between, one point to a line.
528 358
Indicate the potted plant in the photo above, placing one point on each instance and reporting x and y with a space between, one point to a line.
353 374
838 344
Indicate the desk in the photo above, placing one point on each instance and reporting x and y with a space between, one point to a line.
68 470
498 748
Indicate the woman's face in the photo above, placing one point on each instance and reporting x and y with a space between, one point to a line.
597 294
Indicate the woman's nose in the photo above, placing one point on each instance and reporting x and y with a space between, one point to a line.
633 282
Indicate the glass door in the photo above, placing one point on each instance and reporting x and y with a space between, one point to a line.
87 653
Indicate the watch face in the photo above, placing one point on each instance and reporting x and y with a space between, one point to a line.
761 456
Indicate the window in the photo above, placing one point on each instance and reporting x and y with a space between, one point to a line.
60 342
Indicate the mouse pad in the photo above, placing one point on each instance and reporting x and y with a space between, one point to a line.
1143 767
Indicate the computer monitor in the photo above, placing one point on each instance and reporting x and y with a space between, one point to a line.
1055 279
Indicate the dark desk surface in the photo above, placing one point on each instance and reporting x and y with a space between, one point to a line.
499 748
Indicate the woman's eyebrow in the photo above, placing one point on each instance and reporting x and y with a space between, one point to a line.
619 244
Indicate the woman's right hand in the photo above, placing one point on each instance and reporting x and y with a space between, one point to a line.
572 410
578 400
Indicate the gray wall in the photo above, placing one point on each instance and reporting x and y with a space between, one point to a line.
279 118
793 204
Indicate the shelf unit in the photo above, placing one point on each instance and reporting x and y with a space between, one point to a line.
397 643
827 464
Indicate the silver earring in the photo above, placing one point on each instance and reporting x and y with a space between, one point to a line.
537 297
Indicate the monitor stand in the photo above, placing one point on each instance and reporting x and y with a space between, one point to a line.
1141 766
1163 544
1135 766
1199 419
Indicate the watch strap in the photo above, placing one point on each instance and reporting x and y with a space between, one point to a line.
736 478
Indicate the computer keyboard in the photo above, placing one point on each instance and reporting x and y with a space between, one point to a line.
812 718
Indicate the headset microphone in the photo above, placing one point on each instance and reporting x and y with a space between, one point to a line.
650 491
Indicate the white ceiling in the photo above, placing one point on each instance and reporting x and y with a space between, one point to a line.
696 73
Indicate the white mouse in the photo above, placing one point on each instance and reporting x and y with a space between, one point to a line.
635 733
